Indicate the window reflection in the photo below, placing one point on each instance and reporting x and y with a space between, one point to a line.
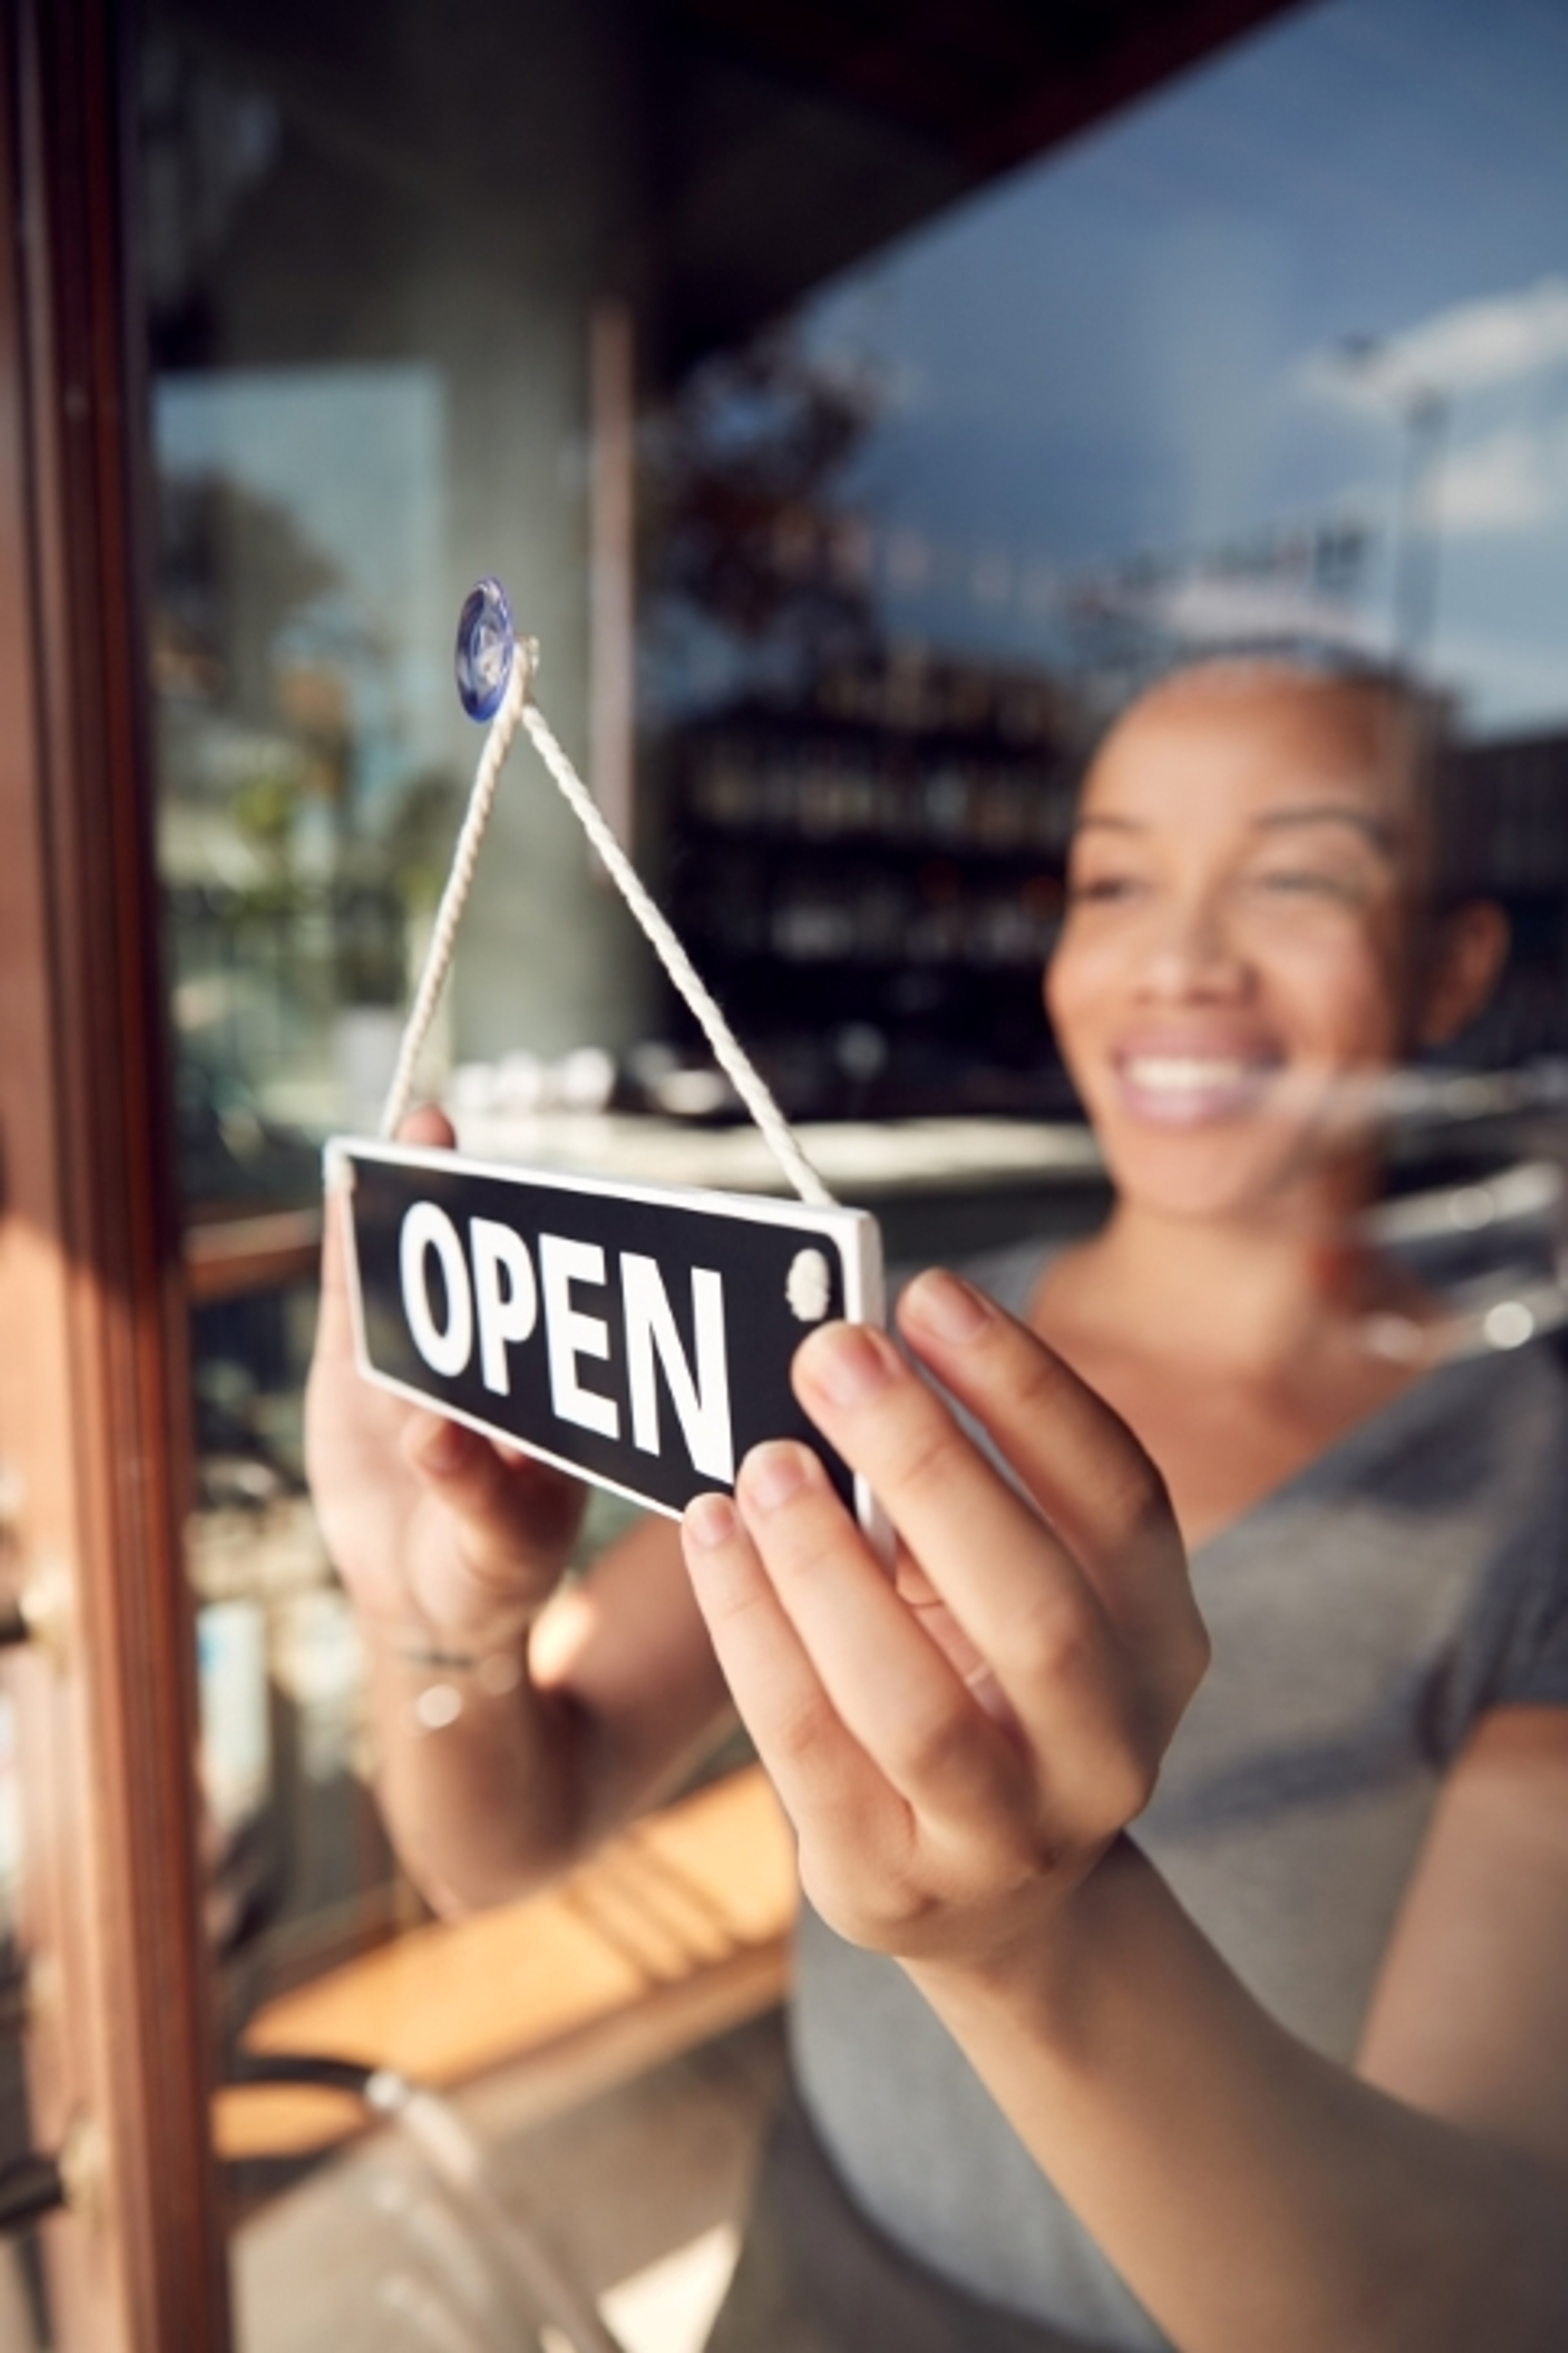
1277 357
1280 357
305 802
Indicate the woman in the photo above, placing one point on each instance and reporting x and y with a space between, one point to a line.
1290 2069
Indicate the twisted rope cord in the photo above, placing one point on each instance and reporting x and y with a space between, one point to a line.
459 883
728 1053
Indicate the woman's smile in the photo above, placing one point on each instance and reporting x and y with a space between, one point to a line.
1190 1084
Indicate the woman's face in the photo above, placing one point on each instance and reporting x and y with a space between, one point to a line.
1236 959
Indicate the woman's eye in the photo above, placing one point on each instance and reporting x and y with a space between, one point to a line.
1305 881
1100 887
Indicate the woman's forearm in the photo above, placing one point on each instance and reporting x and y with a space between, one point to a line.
482 1776
506 1751
1251 2193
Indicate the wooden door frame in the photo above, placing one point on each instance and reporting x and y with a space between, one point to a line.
93 1399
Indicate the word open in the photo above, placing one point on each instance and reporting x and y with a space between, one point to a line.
641 1337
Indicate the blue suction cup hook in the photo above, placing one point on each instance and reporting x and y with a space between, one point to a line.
486 648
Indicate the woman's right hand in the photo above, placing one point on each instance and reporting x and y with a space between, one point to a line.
444 1541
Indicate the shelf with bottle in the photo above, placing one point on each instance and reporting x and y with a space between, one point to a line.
1507 817
1504 834
901 793
882 857
744 906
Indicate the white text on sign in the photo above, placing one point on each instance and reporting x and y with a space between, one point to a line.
493 1293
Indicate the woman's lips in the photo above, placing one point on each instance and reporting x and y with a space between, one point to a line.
1187 1089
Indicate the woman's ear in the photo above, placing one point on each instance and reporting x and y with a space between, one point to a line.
1469 950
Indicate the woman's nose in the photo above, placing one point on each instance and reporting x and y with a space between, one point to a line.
1192 952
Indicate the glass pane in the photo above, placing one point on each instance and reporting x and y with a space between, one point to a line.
1276 357
1265 372
373 325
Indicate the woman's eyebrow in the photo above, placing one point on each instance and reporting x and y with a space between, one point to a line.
1369 828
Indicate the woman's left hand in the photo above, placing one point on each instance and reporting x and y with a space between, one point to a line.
957 1745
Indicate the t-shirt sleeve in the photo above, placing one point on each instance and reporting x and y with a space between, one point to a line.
1534 1662
1537 1675
1511 1650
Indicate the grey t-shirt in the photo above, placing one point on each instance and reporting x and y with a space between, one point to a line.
1362 1616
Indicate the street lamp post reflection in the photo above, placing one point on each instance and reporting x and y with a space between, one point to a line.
1423 410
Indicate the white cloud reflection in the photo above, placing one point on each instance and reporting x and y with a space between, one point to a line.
1469 347
1513 481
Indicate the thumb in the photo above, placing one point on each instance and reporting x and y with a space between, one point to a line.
334 1325
509 1509
427 1125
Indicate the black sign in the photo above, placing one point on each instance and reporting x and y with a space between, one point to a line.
637 1336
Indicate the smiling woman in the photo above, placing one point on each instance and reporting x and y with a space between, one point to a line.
1250 931
1284 1979
1326 1972
1254 940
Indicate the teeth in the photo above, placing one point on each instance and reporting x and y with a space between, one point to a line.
1182 1075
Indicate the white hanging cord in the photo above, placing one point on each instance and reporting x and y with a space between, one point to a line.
728 1053
459 883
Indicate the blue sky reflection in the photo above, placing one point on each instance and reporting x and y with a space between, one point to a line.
1134 347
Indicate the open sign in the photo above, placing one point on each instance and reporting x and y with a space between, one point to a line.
639 1337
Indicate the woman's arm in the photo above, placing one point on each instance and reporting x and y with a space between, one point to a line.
569 1720
959 1803
514 1722
1254 2194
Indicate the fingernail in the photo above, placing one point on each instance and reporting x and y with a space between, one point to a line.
947 1305
709 1520
772 1474
848 1363
446 1449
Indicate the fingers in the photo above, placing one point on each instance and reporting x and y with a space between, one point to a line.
1076 1457
334 1328
898 1685
1007 1578
1094 1699
1012 1720
931 1613
1078 1460
427 1125
825 1781
509 1511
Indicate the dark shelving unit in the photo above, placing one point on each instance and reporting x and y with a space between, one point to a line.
1508 837
873 879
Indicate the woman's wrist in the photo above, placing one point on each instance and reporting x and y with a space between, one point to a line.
493 1654
1048 1966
